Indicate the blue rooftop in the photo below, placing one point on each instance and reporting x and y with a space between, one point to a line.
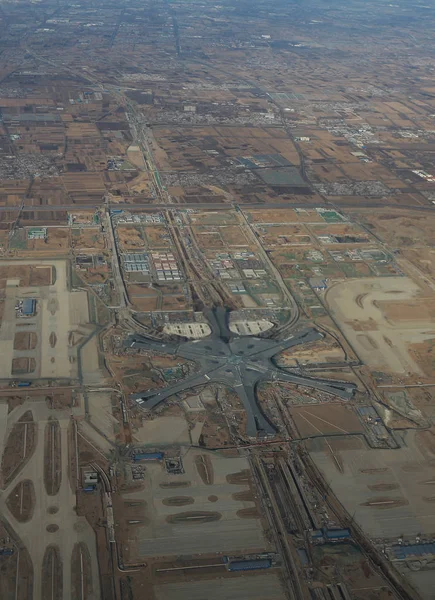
29 306
249 565
402 551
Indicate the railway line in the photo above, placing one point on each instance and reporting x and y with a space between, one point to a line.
296 589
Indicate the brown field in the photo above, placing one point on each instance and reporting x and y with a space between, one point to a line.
52 573
140 184
4 235
57 239
175 302
143 298
52 457
21 272
326 350
25 340
21 500
130 238
339 229
157 236
400 228
81 130
423 354
81 574
19 447
272 235
87 239
23 365
214 218
40 275
208 238
284 215
233 235
135 156
15 583
293 254
83 182
82 217
178 154
417 309
422 258
329 419
143 304
327 172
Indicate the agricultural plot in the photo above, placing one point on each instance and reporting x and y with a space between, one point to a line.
279 235
130 238
87 240
346 233
213 218
157 237
270 216
56 240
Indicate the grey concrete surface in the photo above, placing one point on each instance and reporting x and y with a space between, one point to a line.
239 362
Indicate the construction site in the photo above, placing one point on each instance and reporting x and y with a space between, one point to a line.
200 494
217 301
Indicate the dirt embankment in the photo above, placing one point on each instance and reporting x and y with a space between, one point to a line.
21 501
19 447
81 573
205 468
52 575
52 457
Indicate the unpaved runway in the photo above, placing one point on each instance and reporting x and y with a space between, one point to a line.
379 342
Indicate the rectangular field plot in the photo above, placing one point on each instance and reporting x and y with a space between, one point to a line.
278 235
209 508
247 587
270 216
325 419
130 238
157 236
213 218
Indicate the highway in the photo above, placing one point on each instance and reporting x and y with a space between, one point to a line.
152 205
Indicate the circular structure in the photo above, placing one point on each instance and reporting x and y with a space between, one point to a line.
52 528
52 510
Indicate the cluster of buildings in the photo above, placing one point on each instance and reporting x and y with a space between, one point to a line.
26 307
37 233
136 262
223 267
166 266
254 273
424 175
123 217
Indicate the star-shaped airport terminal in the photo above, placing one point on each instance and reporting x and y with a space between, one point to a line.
238 362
